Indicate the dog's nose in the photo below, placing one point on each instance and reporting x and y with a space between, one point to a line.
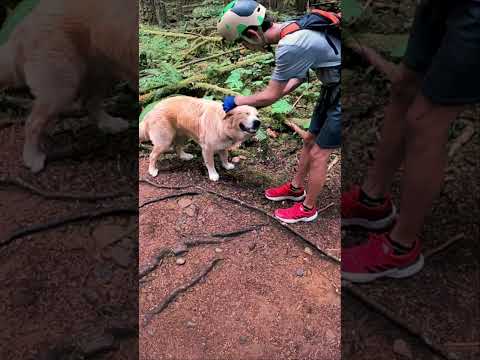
256 124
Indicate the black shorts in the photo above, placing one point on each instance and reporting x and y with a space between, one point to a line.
444 46
326 122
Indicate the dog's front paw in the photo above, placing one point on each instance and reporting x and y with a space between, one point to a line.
33 158
112 125
214 176
153 171
228 166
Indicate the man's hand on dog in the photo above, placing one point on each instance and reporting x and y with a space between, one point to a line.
229 103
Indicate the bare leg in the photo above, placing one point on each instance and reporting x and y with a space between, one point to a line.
391 148
427 135
209 162
317 175
304 161
224 158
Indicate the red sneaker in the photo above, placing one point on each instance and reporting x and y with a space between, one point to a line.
284 192
372 218
376 259
295 214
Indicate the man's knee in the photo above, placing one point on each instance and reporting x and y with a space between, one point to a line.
320 155
405 84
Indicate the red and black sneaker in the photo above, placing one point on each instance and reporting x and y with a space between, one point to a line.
285 192
295 214
354 213
377 259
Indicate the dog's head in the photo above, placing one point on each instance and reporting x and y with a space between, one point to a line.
242 122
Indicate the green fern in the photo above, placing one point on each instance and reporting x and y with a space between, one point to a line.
159 77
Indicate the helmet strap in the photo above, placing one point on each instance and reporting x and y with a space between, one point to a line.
262 43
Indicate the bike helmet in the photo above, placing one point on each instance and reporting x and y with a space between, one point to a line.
237 16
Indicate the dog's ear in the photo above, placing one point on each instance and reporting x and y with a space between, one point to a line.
228 116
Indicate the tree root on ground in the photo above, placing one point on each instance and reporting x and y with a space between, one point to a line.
166 197
358 294
288 228
50 195
166 187
257 209
175 293
28 230
216 238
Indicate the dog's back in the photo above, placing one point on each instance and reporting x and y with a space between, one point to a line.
80 30
183 115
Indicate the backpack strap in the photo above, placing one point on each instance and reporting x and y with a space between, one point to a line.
290 28
327 14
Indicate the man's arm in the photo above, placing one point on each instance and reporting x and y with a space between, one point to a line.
292 85
274 91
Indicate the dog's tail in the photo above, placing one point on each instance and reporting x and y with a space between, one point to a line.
142 132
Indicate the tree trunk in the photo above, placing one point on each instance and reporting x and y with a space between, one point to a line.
148 12
301 5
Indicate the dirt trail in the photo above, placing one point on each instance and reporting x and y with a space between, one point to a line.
68 290
267 298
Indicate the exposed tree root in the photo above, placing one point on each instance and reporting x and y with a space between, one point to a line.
257 209
444 246
166 197
16 181
175 293
291 230
217 238
357 293
158 186
157 261
28 230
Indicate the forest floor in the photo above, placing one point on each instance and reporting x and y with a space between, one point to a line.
274 294
440 303
68 240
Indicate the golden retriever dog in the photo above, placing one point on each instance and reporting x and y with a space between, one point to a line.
173 120
66 51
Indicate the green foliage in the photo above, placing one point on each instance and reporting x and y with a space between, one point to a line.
281 107
234 81
153 49
201 12
164 75
351 10
261 135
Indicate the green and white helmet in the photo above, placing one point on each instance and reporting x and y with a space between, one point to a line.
237 16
